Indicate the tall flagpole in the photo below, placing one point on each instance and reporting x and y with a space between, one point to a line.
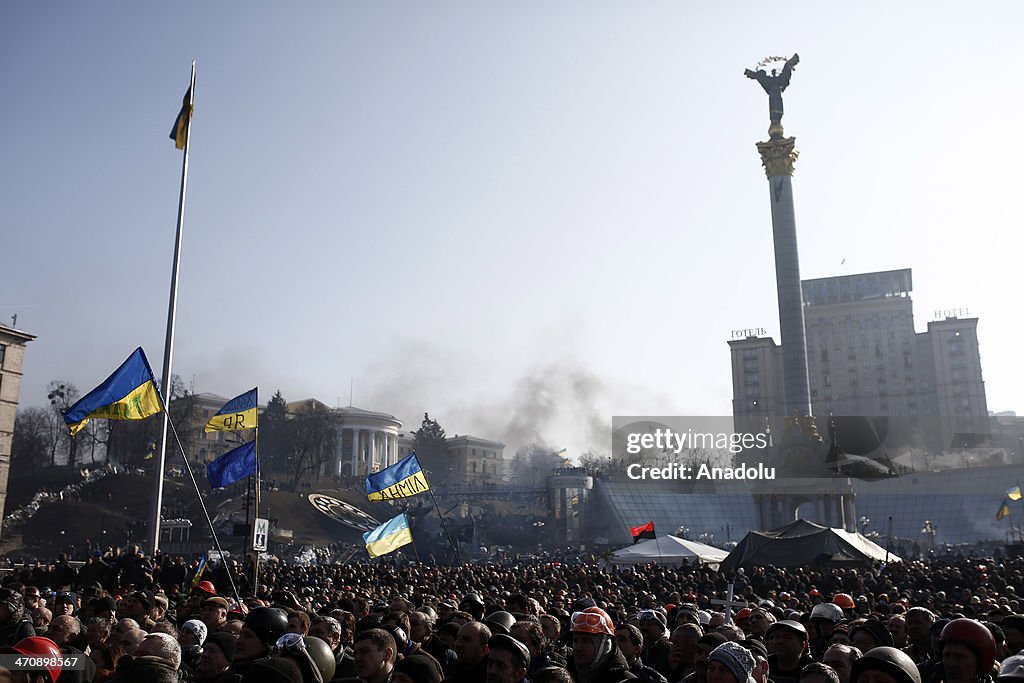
165 379
256 502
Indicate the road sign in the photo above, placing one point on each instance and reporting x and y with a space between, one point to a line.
260 531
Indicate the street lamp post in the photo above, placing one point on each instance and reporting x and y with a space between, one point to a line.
929 530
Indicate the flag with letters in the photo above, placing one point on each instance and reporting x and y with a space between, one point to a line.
236 464
642 531
237 414
130 393
181 124
401 480
388 537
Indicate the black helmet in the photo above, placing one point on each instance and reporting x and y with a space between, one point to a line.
312 655
398 633
894 662
320 653
268 623
500 622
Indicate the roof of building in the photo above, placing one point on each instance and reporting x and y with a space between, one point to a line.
469 439
16 334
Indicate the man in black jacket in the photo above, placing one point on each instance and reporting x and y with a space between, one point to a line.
595 656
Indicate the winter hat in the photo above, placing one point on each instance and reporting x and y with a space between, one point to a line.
196 628
225 641
420 668
877 631
736 657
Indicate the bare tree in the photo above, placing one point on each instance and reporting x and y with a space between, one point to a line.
32 437
311 444
61 395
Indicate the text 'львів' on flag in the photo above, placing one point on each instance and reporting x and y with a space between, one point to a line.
236 464
401 480
237 414
130 393
388 536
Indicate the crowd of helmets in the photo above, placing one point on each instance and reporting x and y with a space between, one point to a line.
954 621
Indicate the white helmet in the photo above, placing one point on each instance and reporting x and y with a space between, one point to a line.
828 610
1012 667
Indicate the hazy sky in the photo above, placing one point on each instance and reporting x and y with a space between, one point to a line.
519 216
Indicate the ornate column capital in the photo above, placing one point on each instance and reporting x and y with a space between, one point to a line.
778 156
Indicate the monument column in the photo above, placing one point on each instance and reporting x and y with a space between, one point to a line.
778 157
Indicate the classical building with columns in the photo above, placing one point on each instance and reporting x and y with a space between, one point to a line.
367 441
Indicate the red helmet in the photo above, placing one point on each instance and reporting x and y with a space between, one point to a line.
592 620
844 600
743 614
974 636
38 646
206 587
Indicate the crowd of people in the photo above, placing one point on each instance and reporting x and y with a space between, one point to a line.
127 618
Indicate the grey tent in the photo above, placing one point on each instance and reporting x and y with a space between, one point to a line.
670 550
802 543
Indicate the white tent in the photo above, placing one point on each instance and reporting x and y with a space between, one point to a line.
668 550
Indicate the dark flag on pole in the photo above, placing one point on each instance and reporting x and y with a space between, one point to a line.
180 131
642 532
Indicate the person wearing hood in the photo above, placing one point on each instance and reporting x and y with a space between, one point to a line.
15 625
191 638
595 656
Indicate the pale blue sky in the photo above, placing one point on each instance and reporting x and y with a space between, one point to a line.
479 208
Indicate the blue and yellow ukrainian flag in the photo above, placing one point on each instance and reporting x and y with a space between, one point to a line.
1004 509
237 414
128 394
401 480
388 537
180 131
1013 493
199 570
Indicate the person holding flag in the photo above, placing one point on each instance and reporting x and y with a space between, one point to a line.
404 479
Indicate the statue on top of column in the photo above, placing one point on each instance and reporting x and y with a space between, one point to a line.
774 84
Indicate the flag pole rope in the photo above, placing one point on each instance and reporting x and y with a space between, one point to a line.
199 495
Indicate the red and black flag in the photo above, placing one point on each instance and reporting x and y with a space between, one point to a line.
642 531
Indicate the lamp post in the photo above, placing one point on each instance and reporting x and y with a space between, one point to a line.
929 531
